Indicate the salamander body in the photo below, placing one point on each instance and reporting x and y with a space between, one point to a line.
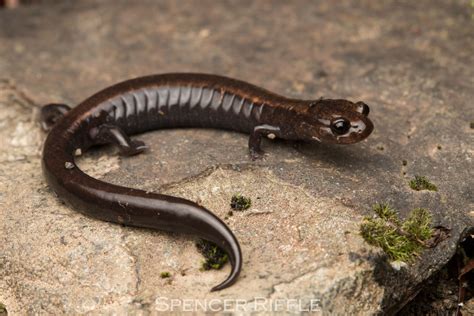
171 101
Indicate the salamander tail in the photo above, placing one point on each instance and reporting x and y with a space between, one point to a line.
233 250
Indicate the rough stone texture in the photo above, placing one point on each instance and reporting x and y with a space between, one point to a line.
410 61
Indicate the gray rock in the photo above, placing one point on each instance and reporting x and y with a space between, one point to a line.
408 61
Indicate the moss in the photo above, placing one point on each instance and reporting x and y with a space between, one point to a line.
239 202
471 124
400 240
3 309
422 183
385 212
165 275
404 162
215 257
418 224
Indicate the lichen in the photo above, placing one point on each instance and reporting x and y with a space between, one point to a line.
422 183
240 203
215 257
165 275
401 240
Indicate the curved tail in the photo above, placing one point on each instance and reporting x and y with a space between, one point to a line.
133 207
235 256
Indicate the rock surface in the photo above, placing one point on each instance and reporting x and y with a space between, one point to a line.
411 62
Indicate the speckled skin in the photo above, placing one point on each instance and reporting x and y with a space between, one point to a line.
180 100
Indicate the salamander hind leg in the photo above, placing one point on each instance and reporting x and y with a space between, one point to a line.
255 139
51 113
111 134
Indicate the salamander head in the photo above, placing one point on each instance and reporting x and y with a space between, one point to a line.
336 121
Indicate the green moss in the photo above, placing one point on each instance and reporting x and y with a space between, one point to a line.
385 212
418 224
400 240
239 202
165 275
422 183
3 309
215 257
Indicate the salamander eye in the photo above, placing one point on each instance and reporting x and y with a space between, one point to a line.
340 126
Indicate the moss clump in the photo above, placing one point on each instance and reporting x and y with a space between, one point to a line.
422 183
165 275
418 225
240 203
215 257
400 240
385 212
3 309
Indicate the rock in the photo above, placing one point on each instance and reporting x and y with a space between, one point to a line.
300 237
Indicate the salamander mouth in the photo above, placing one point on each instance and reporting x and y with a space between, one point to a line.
363 132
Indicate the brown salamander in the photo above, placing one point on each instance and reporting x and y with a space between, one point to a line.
180 100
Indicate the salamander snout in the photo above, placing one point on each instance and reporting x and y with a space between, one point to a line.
362 108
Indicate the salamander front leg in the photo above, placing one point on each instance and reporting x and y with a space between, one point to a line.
51 113
255 139
106 134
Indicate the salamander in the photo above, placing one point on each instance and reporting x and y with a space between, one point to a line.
148 103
